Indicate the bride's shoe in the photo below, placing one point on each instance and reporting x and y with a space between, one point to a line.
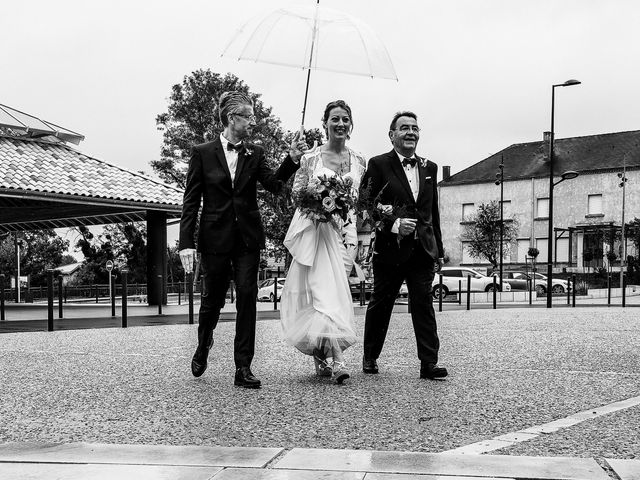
340 372
323 369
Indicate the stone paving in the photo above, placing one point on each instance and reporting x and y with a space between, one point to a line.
532 394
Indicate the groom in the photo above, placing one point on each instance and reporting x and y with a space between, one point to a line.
403 197
223 175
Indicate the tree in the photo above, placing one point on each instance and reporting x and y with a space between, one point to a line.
40 251
483 233
122 243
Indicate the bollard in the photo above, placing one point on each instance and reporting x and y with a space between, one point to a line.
179 292
2 297
124 298
468 292
159 294
569 292
275 293
530 290
440 296
60 287
50 300
624 290
608 290
112 281
362 293
190 293
573 281
459 292
495 286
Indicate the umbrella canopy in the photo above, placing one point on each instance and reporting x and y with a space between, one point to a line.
313 37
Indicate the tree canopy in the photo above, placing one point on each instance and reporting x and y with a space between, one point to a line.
483 233
40 250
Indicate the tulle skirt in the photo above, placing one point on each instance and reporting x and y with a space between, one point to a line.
316 306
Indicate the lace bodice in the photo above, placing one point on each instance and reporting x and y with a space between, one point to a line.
311 165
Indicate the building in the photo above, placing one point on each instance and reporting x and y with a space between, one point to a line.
587 210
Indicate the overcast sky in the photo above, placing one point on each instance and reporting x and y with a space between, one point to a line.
477 72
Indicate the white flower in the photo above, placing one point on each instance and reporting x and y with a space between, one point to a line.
328 204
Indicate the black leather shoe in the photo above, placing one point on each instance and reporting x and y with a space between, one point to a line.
431 371
369 365
199 360
244 378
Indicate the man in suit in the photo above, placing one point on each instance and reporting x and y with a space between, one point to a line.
223 175
401 188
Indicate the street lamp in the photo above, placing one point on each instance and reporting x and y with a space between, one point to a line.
623 183
500 181
568 83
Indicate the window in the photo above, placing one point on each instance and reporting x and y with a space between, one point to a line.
506 209
467 211
562 250
543 246
595 205
542 209
523 248
466 256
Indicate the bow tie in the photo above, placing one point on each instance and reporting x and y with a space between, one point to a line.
409 161
231 146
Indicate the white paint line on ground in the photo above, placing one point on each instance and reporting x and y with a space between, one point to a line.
512 438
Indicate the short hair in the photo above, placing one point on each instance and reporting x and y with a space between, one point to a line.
405 113
230 102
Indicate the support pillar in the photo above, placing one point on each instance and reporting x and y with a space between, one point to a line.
156 256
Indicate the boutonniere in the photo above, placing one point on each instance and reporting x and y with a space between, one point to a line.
247 148
423 163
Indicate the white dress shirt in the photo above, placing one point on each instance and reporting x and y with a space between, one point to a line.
412 177
231 156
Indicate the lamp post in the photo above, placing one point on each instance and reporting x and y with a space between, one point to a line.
623 256
568 83
500 181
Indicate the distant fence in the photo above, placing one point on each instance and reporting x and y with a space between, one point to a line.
94 292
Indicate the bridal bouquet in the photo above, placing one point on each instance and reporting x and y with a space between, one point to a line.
326 197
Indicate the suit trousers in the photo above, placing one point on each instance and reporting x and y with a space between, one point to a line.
242 265
387 280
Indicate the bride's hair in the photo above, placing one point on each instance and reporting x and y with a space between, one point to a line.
330 106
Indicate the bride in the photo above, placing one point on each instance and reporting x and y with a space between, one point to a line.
316 306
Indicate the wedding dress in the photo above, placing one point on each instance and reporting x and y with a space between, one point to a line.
316 305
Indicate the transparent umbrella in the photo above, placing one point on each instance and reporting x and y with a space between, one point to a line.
312 37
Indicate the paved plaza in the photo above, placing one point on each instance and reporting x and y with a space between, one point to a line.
532 393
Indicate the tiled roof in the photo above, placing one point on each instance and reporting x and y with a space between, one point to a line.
37 165
583 154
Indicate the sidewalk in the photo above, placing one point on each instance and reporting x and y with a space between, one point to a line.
81 461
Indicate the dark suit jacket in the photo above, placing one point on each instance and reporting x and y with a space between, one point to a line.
385 182
224 205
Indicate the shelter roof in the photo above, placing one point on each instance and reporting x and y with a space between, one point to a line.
588 154
47 184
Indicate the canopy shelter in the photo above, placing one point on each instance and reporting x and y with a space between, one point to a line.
45 183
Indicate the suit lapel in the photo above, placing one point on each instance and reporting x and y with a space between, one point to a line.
221 158
423 174
396 167
243 158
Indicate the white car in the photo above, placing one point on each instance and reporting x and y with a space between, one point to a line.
265 289
454 279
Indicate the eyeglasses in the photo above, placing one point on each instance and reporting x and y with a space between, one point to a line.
409 128
251 118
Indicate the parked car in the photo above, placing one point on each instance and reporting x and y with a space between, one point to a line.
519 281
452 276
265 289
404 291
